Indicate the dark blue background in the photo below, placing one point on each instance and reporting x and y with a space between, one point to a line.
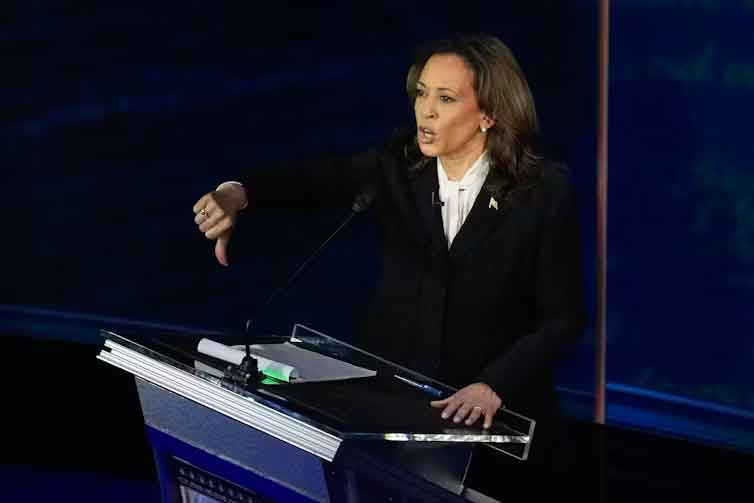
681 206
121 117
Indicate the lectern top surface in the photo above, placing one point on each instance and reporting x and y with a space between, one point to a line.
390 404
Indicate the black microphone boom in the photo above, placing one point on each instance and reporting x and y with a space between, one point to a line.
362 203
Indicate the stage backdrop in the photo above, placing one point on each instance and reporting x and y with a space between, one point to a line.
118 116
681 206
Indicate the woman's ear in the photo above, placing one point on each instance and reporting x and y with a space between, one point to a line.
486 122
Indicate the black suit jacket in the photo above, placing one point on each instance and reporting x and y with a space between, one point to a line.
500 306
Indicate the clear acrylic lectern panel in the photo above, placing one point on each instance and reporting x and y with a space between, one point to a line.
404 395
389 403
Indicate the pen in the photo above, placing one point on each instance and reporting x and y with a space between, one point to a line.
424 387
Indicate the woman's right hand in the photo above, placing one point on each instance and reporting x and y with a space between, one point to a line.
216 212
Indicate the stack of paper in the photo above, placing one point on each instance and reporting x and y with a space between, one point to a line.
287 362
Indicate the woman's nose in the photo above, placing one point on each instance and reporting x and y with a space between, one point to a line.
428 110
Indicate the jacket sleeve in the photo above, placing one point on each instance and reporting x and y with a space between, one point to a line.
559 301
328 182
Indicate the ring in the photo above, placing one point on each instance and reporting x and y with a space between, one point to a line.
204 213
476 407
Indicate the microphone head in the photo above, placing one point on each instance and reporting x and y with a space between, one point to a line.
364 200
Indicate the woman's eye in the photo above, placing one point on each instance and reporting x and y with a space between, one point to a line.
446 99
420 92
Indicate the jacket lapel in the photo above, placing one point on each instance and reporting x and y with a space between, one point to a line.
485 216
424 187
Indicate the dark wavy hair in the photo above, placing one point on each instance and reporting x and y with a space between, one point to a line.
503 94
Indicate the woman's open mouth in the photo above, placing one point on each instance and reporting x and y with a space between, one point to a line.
426 135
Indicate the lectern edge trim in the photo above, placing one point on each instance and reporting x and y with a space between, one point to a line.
243 409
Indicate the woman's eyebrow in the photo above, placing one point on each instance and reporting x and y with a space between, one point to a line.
420 83
447 89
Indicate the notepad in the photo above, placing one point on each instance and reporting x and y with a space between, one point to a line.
287 362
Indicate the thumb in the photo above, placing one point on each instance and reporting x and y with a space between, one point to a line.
221 248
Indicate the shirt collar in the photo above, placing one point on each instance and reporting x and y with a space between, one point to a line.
475 175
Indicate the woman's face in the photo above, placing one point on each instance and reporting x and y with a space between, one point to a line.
448 118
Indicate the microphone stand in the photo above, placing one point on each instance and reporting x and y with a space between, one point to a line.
247 373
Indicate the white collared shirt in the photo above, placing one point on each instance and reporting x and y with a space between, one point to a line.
459 196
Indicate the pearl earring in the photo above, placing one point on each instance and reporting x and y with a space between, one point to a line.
484 129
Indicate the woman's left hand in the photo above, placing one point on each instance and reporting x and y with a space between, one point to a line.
470 403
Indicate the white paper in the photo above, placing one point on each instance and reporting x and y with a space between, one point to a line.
301 364
235 356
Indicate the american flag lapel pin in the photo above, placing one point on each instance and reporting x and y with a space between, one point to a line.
493 203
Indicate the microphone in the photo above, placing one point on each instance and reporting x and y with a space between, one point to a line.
247 373
364 200
436 202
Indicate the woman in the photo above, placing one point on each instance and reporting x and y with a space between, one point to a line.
481 285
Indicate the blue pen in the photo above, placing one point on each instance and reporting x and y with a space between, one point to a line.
424 387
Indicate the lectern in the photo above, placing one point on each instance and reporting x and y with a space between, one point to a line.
364 436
